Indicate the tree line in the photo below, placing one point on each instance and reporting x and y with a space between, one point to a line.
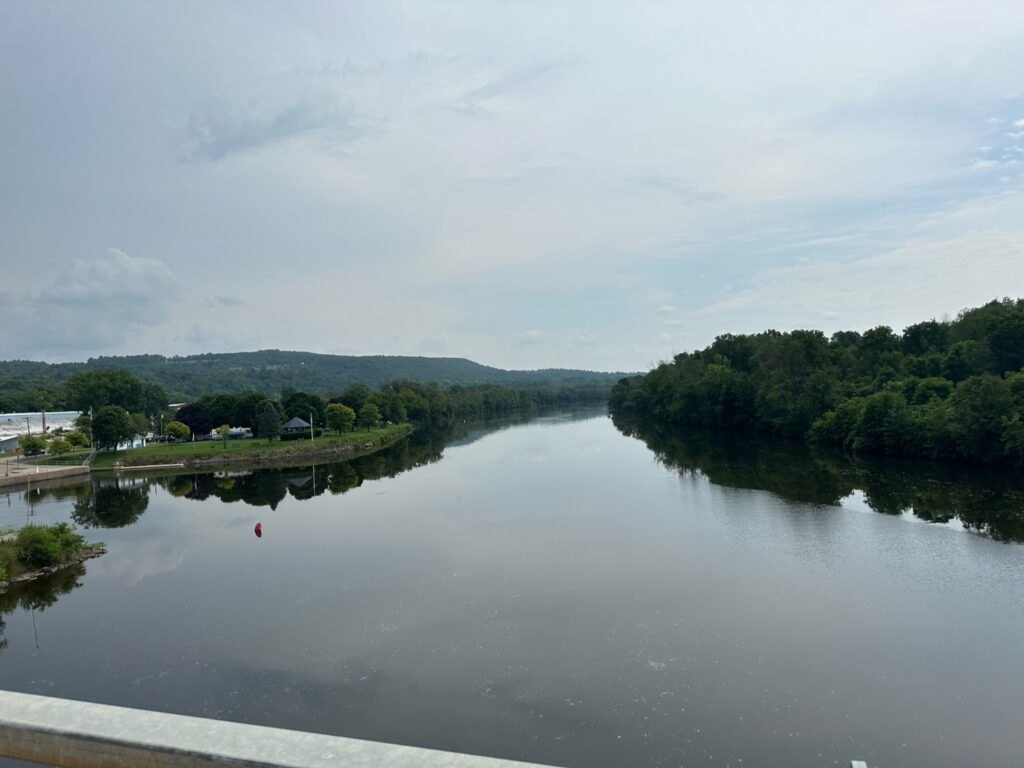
116 405
359 406
947 389
27 385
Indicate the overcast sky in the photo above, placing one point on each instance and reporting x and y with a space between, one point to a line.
527 184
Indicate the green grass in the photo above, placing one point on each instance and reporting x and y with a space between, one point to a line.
72 457
170 453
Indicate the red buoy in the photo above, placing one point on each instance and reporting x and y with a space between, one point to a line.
259 530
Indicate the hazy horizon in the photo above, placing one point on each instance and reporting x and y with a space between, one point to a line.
584 185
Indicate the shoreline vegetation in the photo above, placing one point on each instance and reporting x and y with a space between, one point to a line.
254 428
36 551
254 452
942 389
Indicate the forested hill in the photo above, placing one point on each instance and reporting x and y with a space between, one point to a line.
940 389
274 371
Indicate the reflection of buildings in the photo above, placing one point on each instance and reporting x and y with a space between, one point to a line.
124 482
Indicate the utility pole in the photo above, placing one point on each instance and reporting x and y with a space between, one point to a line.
311 435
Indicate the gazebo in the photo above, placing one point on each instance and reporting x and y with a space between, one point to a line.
294 426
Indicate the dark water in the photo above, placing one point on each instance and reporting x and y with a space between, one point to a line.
556 592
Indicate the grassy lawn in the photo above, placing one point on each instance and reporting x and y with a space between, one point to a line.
72 457
169 453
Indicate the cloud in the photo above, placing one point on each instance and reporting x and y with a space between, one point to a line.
682 190
430 346
382 147
527 338
226 300
95 303
669 315
114 278
276 110
926 278
483 99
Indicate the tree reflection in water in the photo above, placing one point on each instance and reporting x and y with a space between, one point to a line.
38 594
268 487
111 505
983 499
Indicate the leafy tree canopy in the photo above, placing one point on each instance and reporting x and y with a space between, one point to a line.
943 389
111 425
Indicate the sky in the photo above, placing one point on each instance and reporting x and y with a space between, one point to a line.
526 184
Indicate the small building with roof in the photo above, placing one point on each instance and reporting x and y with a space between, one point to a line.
295 425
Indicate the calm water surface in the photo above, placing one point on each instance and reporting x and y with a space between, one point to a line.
555 592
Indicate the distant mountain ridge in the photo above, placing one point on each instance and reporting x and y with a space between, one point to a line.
271 370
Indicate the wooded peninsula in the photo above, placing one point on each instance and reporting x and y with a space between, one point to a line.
940 389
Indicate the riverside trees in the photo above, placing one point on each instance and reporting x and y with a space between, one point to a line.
111 425
939 390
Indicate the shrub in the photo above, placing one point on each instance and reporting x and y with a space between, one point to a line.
77 439
59 446
40 546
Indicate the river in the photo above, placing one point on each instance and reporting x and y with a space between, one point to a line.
555 591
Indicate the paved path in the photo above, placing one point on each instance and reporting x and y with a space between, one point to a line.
15 473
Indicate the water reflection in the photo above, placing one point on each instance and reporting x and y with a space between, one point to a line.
111 504
38 594
982 499
268 487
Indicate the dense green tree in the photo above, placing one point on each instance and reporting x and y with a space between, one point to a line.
306 406
58 446
246 409
979 407
354 396
111 425
966 358
113 386
340 417
141 424
922 338
931 388
882 422
77 439
196 417
1013 437
177 430
31 444
369 416
268 421
940 389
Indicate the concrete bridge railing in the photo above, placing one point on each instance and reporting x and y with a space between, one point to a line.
78 734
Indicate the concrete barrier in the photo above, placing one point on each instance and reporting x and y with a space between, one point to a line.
17 474
77 734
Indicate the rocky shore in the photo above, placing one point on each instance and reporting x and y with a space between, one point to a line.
86 553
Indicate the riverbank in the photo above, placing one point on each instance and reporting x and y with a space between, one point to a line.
233 453
15 474
37 551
